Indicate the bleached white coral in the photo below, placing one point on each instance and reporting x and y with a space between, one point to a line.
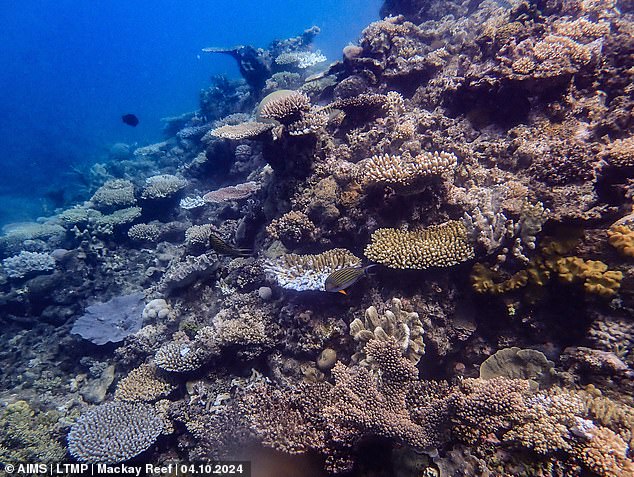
300 59
193 202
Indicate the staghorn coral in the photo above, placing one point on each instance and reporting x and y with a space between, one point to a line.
143 384
114 432
308 272
114 194
285 106
292 228
612 414
239 132
403 171
162 186
144 233
441 245
28 264
236 192
395 323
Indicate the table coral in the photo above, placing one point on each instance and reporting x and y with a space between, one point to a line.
309 272
238 132
404 171
441 245
114 432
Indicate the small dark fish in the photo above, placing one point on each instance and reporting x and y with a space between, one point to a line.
339 280
130 119
224 248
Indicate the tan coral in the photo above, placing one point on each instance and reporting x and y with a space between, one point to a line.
285 106
441 245
605 453
405 327
619 153
239 132
394 170
310 123
293 227
143 384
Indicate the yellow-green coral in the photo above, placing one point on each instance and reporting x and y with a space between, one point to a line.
594 274
440 245
27 435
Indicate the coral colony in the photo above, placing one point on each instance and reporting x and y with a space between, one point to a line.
481 156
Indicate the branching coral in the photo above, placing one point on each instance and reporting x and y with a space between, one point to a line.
292 228
114 194
238 132
236 192
162 186
309 272
114 432
143 384
441 245
144 232
285 106
402 170
27 264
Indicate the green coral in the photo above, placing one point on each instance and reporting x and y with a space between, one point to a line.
27 435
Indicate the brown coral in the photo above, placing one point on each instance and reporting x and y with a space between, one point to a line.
285 106
292 228
143 384
441 245
403 171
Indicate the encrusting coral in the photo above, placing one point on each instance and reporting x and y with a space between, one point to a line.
441 245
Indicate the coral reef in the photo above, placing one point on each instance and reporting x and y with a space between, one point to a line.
451 132
441 245
114 432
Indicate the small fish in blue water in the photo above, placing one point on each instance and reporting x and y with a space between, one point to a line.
223 248
339 280
130 119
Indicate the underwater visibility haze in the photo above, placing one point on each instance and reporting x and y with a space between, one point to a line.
350 238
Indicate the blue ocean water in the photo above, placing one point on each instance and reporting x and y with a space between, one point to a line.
69 69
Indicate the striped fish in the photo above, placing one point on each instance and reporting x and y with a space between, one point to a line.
223 248
339 280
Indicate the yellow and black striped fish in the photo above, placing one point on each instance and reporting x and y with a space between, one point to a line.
224 248
339 280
